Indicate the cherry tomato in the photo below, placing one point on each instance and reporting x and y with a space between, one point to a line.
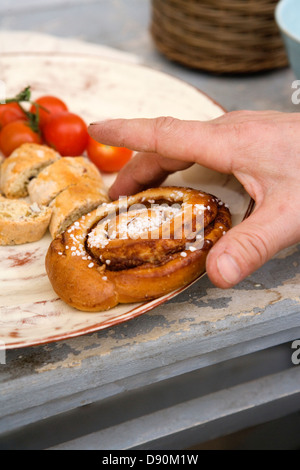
15 134
10 112
107 158
67 134
49 106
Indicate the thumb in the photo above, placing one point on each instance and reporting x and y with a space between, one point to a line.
246 247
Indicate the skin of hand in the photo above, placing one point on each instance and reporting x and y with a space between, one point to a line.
260 148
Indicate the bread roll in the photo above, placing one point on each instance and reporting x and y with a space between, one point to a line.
73 202
22 222
21 166
59 176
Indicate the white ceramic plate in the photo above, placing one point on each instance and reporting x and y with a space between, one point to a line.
95 88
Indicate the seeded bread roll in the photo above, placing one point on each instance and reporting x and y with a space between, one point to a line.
22 165
72 186
22 222
73 202
59 176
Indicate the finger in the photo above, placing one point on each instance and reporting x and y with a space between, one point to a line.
210 143
142 171
247 247
206 143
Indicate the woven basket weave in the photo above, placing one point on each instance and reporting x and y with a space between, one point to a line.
220 36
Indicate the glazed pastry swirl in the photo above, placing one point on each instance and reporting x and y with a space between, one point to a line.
136 249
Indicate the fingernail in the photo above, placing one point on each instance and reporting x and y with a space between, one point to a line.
96 123
228 269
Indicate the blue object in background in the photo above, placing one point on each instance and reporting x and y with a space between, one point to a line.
288 19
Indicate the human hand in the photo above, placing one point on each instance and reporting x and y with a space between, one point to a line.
261 149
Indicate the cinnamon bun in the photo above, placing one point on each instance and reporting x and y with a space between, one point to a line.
137 248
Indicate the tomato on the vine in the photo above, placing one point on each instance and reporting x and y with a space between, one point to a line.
10 112
107 158
66 133
15 134
48 106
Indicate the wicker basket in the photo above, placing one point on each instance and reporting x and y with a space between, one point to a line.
220 36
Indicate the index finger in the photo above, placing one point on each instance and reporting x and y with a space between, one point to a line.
189 141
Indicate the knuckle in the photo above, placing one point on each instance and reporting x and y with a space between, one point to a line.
164 128
165 123
245 130
242 123
253 249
